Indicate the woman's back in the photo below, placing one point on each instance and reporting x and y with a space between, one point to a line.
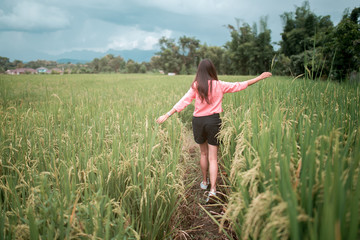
216 91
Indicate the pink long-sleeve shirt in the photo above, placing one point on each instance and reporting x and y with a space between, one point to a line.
219 88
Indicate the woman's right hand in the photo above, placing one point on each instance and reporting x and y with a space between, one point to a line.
162 118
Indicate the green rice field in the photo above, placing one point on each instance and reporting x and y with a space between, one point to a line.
83 158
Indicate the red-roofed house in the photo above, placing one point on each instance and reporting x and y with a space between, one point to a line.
21 71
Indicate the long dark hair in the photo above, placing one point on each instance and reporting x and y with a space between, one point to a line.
206 71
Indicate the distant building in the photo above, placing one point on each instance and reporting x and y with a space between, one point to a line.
42 70
19 71
10 72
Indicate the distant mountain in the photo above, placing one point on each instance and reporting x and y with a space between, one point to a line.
85 56
73 61
136 54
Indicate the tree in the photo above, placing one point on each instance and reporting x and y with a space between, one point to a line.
4 64
263 52
249 52
103 63
155 63
188 47
241 40
117 64
169 57
95 65
299 27
344 45
215 54
108 63
303 38
132 66
142 68
18 64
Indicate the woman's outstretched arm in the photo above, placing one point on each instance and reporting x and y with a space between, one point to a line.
258 78
184 101
164 117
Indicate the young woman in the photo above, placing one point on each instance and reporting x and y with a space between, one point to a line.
208 91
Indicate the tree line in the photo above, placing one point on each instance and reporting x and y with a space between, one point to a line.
310 45
106 64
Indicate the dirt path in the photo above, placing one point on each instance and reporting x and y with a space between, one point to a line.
195 222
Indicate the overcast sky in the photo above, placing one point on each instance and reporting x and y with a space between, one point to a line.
34 29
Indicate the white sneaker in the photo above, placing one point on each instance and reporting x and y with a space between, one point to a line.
204 186
211 196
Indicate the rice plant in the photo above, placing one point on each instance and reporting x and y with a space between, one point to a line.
82 157
291 151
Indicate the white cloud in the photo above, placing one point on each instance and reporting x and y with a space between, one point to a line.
97 25
32 16
128 38
190 7
100 36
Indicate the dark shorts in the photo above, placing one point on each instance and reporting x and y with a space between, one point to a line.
206 129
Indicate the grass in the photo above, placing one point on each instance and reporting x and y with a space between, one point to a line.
82 157
281 127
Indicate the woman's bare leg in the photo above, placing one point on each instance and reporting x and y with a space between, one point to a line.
204 160
213 165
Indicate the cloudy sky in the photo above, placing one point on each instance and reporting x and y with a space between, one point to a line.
46 29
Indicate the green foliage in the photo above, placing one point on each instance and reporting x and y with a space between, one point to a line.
108 63
189 51
41 63
184 57
304 32
216 54
82 156
248 51
317 48
4 64
298 30
142 68
183 70
345 40
170 59
132 66
281 65
293 163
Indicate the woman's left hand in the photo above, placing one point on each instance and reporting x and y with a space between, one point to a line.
265 75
